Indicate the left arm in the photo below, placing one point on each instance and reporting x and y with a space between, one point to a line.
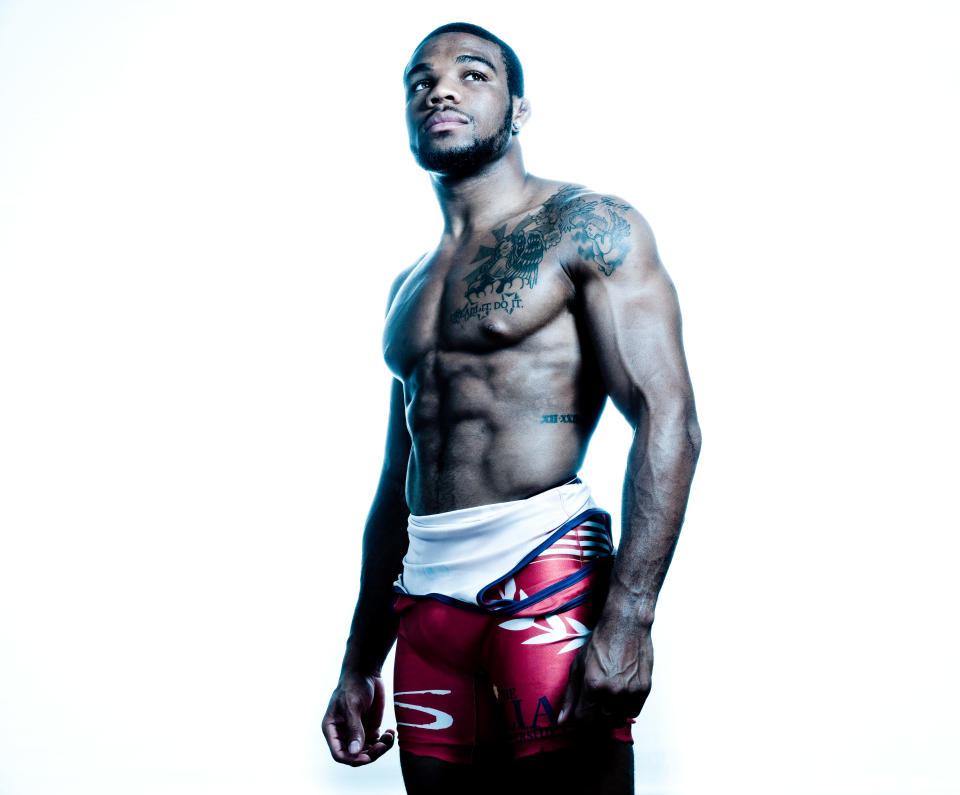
633 321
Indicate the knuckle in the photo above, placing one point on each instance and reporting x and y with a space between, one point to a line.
353 704
596 684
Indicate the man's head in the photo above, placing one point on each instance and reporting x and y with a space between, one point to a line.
464 89
514 70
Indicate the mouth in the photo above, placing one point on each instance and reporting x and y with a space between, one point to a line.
444 120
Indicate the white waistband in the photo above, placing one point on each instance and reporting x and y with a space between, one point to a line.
458 553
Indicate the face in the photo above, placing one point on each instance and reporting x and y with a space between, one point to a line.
459 110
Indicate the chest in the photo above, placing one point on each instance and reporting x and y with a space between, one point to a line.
476 300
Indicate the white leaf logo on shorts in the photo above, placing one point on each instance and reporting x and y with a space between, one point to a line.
553 632
509 590
443 719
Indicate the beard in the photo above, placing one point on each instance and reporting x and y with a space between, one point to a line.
462 161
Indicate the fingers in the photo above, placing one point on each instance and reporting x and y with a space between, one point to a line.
353 734
595 698
383 744
334 735
585 702
372 716
589 709
571 695
366 754
347 736
602 706
609 682
343 731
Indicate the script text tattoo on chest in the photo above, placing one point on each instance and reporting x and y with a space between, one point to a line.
513 260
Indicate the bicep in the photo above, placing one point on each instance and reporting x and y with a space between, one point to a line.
633 320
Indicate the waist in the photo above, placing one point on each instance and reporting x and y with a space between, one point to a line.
457 554
483 483
518 518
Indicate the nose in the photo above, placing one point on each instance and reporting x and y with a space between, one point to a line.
443 91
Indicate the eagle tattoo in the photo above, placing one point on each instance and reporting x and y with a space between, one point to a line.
513 261
514 257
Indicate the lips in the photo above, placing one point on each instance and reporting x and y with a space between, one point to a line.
444 120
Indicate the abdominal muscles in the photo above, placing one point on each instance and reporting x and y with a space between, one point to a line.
495 427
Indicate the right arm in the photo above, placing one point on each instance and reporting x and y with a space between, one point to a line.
352 723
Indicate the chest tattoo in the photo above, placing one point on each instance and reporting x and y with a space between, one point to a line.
512 259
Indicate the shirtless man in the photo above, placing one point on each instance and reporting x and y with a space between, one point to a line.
524 645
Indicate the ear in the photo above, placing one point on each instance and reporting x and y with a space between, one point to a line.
521 113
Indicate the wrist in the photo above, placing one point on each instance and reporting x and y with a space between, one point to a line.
357 679
357 664
636 607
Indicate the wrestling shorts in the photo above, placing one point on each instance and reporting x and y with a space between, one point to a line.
467 677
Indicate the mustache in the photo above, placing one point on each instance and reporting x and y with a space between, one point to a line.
443 109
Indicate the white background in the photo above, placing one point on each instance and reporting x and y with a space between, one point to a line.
202 205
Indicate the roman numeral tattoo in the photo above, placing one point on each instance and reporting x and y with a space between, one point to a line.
554 419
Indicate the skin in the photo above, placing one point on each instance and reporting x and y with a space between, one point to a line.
473 393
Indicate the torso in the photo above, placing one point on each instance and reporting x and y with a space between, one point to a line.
501 390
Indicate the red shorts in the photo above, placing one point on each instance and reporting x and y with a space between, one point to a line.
468 677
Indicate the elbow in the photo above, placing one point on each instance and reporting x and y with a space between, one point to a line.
694 438
689 427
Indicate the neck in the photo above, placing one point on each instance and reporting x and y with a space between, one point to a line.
483 198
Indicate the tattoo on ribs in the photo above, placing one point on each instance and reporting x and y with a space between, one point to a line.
512 262
553 419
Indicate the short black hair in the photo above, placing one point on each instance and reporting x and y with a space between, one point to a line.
510 60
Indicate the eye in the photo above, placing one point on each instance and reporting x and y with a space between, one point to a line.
474 76
419 85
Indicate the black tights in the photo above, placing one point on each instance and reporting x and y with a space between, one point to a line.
603 768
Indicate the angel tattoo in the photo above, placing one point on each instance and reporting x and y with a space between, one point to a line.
606 240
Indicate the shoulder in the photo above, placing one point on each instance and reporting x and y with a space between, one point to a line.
603 234
399 281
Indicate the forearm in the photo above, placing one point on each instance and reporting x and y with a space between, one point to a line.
374 626
657 484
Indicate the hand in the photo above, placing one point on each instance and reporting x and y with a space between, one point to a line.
351 726
610 678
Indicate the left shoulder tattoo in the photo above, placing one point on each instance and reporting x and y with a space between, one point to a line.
512 260
597 225
601 233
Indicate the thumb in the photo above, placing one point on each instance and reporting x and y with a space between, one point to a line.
372 717
355 733
572 692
